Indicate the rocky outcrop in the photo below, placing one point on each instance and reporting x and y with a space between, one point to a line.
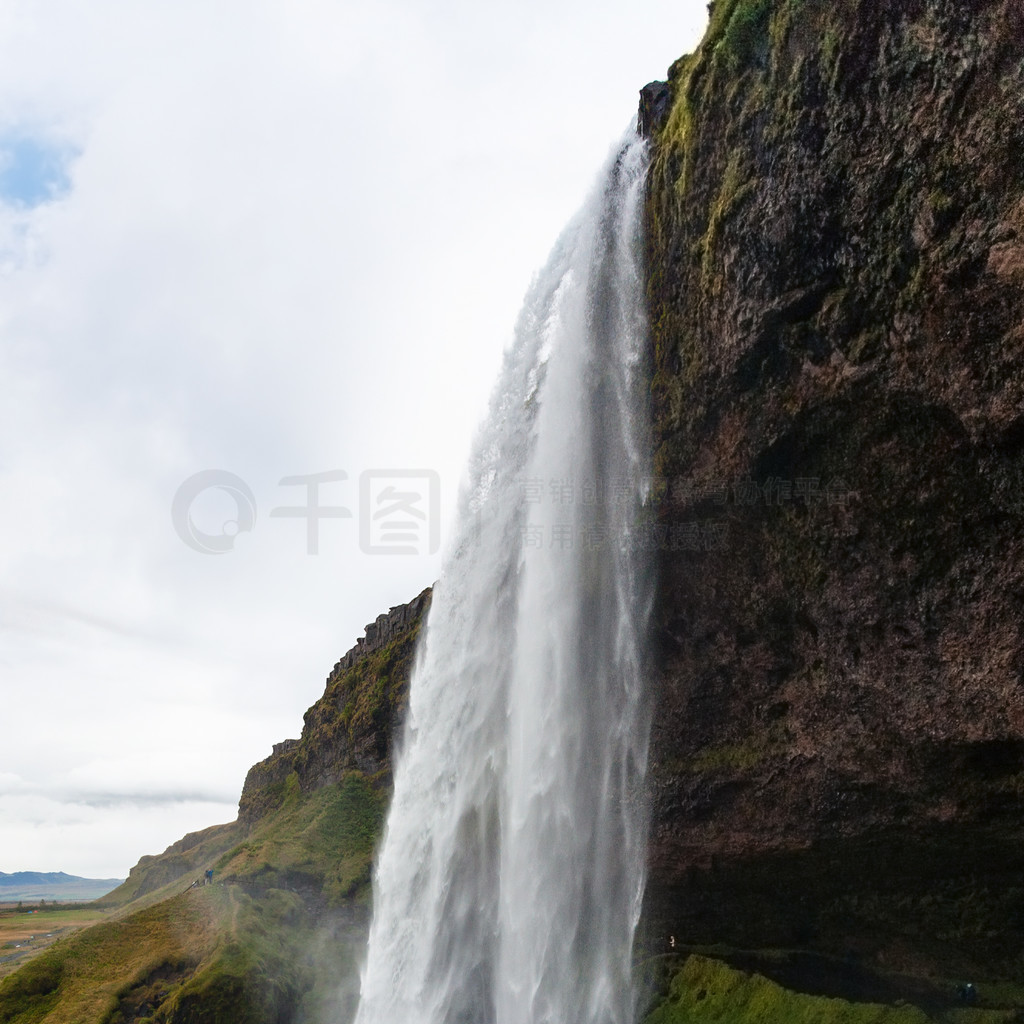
836 243
396 622
655 104
264 782
352 725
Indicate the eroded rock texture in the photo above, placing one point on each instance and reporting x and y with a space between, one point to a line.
836 280
352 726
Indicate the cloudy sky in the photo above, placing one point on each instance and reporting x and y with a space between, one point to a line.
283 246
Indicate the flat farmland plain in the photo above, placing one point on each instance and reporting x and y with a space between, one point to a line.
26 931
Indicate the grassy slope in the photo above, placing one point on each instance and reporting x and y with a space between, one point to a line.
706 991
277 937
80 978
321 843
243 950
157 878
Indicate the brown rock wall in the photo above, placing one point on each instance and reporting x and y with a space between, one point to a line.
835 236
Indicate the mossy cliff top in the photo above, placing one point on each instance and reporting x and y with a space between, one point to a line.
836 285
352 726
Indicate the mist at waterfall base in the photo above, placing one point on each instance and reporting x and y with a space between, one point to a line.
509 882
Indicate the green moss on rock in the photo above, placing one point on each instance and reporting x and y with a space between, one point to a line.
708 990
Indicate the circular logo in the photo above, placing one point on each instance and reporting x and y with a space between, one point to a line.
185 496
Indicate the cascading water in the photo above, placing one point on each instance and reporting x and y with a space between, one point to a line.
508 887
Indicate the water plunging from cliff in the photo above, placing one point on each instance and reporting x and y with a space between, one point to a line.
509 883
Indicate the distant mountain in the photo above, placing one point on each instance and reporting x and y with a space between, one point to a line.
52 885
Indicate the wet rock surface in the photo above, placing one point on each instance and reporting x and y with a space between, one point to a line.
836 243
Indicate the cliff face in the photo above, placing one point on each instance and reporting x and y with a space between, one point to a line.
836 283
351 727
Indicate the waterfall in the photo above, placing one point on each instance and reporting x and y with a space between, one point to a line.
508 885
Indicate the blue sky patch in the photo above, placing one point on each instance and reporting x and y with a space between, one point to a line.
33 170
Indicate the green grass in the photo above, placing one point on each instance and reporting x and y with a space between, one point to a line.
745 32
16 925
280 933
705 990
321 842
79 978
25 935
215 955
240 951
156 878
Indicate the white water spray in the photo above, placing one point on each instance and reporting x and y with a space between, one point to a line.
508 886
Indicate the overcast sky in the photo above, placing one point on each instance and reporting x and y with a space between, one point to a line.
272 241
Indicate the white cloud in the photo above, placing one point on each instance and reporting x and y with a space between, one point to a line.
41 834
295 241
